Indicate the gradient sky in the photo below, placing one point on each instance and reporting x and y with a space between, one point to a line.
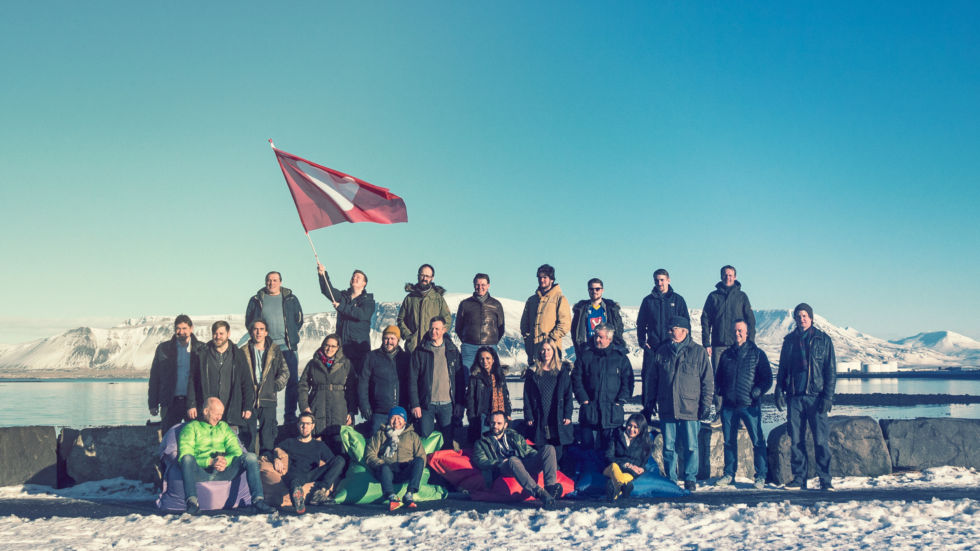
828 150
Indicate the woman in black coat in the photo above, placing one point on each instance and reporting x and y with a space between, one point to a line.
548 399
486 392
627 455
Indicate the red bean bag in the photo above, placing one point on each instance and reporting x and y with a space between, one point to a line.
457 468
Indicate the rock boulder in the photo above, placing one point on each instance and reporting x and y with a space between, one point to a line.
107 452
857 448
27 456
928 442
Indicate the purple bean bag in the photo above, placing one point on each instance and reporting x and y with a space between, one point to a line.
217 494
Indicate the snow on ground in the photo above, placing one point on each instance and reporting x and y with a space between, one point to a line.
892 524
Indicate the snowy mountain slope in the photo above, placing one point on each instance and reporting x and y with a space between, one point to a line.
130 345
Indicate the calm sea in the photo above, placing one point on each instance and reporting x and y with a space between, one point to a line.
94 402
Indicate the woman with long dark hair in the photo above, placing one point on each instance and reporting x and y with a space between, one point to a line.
548 399
486 391
627 454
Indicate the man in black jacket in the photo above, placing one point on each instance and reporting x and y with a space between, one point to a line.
805 384
588 314
479 322
170 373
743 377
437 393
656 311
723 306
222 372
603 382
383 383
354 306
269 375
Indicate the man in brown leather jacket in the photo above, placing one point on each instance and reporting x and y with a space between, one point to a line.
479 322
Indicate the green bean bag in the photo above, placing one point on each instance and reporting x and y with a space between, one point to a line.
359 484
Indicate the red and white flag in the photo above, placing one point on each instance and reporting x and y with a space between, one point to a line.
324 196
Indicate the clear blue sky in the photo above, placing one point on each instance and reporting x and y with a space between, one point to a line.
828 150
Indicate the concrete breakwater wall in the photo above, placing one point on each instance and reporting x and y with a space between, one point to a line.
860 446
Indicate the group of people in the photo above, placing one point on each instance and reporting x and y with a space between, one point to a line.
418 381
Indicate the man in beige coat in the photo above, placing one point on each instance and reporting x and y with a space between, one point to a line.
547 314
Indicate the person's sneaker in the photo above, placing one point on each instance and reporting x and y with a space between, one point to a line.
796 484
410 501
547 501
299 501
724 481
192 506
690 485
394 502
556 490
760 483
612 492
261 506
825 485
320 496
626 490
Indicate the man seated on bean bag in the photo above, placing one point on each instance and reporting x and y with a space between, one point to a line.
501 451
309 460
395 454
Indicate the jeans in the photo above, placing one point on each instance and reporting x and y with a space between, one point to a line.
389 473
521 469
595 438
324 476
437 417
802 411
477 424
259 433
688 431
731 419
174 413
193 473
292 387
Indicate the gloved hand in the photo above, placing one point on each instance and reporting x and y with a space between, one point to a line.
824 404
780 399
756 392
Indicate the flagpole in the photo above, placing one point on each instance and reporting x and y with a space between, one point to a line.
324 276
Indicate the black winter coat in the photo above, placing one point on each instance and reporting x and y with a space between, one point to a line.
479 322
743 371
235 389
420 375
275 373
331 393
479 394
383 383
580 331
604 378
353 317
682 385
723 307
163 372
637 453
821 366
653 319
561 407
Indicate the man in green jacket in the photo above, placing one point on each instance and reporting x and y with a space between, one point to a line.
503 452
209 450
423 302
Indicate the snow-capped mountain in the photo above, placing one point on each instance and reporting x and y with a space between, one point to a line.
129 347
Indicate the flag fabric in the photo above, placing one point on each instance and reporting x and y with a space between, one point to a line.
325 197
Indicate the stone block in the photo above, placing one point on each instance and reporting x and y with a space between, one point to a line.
99 453
857 448
929 442
28 456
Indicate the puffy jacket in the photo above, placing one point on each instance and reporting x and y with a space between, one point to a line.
604 378
417 310
742 371
723 307
580 321
409 447
163 372
383 383
479 394
637 453
203 441
486 454
480 322
821 365
546 316
680 385
420 375
330 393
292 313
653 319
561 406
275 373
235 388
353 315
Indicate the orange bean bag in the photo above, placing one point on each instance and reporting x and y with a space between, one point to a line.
457 468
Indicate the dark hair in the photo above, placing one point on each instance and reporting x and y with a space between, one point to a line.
661 271
646 444
220 323
306 414
438 318
481 276
500 413
331 336
429 266
362 273
496 369
738 321
595 280
546 269
274 272
183 318
727 267
257 320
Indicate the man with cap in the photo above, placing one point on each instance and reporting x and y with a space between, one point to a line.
547 314
679 383
805 386
383 383
395 454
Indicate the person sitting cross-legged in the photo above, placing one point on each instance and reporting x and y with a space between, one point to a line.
209 450
310 460
395 454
